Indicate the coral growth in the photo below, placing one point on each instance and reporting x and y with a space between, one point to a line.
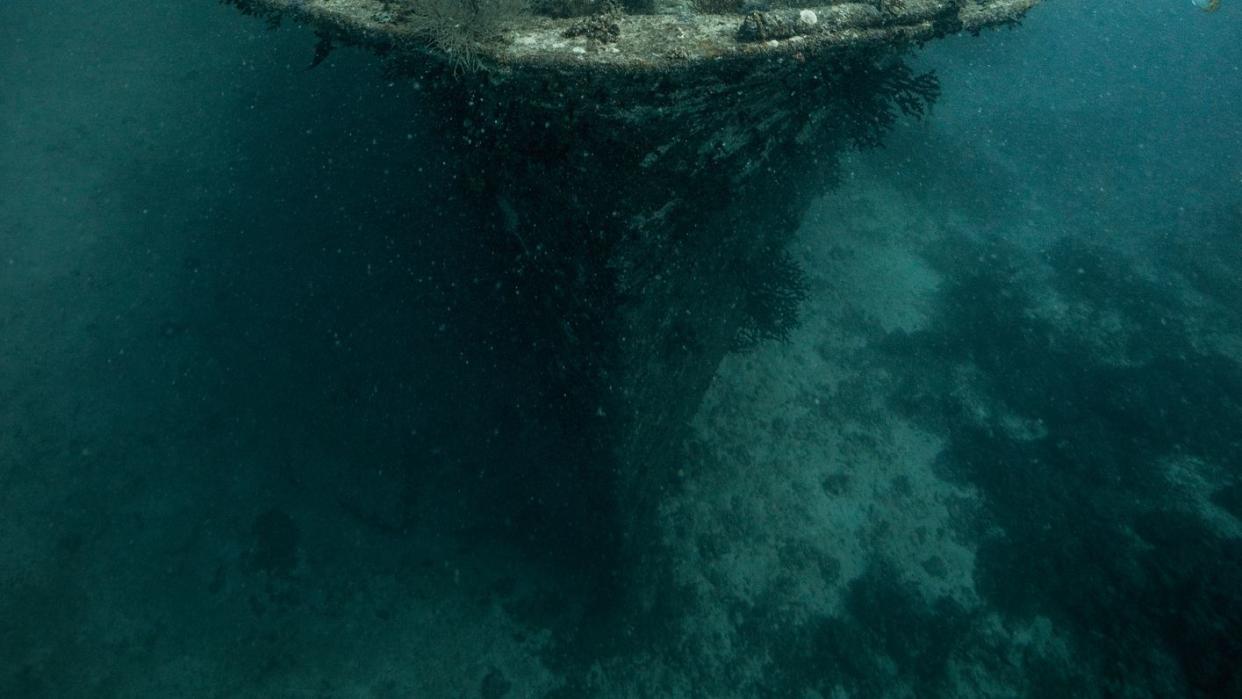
876 91
774 286
457 27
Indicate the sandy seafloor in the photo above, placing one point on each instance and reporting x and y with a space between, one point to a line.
999 457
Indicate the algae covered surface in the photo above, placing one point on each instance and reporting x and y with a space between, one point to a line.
260 437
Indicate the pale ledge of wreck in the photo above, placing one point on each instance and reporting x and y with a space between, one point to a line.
658 42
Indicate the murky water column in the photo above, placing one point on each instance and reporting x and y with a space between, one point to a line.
640 228
639 177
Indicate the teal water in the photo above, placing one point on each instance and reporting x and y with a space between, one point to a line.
252 446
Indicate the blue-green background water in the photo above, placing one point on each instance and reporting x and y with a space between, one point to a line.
246 448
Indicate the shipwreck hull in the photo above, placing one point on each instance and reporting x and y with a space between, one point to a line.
643 188
655 42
